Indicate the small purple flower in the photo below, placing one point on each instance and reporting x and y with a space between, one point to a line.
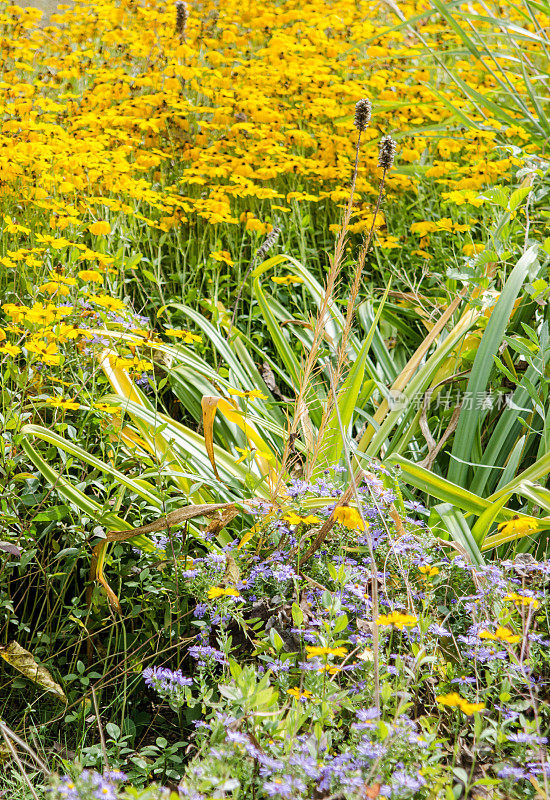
200 610
527 738
415 506
511 772
284 786
165 681
205 652
438 630
367 714
115 775
404 784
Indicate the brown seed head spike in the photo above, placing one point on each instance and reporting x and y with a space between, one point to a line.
267 244
363 111
182 15
386 152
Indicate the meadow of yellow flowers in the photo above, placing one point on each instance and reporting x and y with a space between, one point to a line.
129 124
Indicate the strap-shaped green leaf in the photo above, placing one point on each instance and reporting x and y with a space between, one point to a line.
483 364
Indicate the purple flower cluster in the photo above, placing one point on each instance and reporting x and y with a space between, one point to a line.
294 773
165 680
170 685
207 655
89 785
532 769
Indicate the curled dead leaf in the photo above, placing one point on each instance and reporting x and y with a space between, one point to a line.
24 662
366 655
8 547
232 573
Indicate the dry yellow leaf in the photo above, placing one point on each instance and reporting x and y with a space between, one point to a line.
366 655
24 662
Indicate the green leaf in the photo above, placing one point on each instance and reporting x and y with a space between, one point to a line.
283 348
70 447
443 489
486 519
517 197
459 531
477 384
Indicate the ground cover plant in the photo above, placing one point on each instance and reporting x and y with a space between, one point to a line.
274 349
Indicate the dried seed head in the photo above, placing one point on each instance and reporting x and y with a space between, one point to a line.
363 110
386 152
266 245
182 15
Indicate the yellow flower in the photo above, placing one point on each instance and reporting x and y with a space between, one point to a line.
454 700
13 227
10 349
219 591
47 352
111 303
522 600
472 249
295 692
397 619
501 635
520 526
135 364
288 280
99 228
314 652
245 453
58 402
90 275
295 519
253 224
17 313
223 256
52 287
349 517
250 395
330 668
422 228
40 315
470 708
187 336
64 332
106 408
425 569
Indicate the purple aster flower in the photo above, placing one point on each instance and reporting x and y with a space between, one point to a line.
67 789
205 652
189 574
367 714
404 784
511 772
527 738
200 610
164 678
284 786
536 768
283 572
415 506
438 630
